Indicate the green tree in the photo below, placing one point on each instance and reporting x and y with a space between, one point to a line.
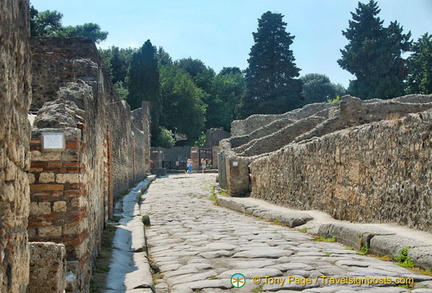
318 88
46 23
271 86
420 66
228 88
200 73
116 62
184 109
163 57
87 30
228 70
373 54
144 83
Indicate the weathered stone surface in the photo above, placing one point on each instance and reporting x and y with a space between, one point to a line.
47 267
422 256
186 224
73 95
15 98
325 173
351 235
392 244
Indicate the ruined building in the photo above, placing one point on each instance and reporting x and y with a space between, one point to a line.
365 161
59 176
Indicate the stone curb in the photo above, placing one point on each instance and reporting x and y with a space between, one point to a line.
376 239
290 219
129 267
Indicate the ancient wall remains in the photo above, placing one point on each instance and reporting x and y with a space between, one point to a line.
15 99
357 160
105 152
314 120
379 172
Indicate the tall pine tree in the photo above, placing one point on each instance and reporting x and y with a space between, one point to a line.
144 84
373 54
420 66
271 86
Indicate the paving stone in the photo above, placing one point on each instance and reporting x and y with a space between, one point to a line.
199 246
190 278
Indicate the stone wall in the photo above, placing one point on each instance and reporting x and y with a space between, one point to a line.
106 150
15 99
379 172
313 120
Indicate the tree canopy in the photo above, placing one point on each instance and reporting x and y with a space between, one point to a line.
373 54
420 66
271 86
48 24
144 84
184 108
318 88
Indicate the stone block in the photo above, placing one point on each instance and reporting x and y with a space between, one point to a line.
68 178
47 267
59 207
392 244
351 235
31 178
45 156
50 231
40 208
46 177
422 256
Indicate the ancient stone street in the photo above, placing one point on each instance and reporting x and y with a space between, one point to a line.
198 246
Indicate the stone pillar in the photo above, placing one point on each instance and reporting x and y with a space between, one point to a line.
215 151
59 198
15 85
157 157
195 158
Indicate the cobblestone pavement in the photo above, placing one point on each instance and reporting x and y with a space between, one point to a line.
198 247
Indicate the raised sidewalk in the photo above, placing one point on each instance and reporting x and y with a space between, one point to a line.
379 239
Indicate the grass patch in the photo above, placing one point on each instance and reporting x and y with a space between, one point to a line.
101 269
385 258
349 248
363 250
223 193
276 222
403 259
304 230
156 273
327 254
324 239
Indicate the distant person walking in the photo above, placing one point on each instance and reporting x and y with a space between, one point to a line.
203 165
189 166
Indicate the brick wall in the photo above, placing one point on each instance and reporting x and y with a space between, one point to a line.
61 193
15 98
73 190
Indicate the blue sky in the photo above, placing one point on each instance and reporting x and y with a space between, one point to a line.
219 32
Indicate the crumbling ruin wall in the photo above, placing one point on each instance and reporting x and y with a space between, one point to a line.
313 120
378 172
15 99
73 189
